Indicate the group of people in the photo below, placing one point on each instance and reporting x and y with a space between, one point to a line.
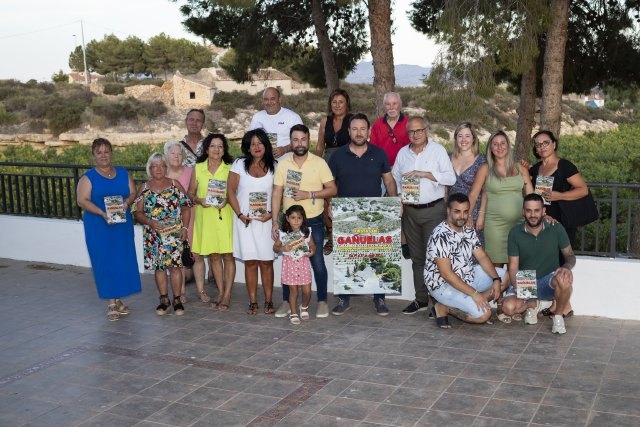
465 234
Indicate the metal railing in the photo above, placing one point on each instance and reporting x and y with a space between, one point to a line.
44 190
49 190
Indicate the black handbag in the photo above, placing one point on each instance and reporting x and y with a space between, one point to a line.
576 213
187 257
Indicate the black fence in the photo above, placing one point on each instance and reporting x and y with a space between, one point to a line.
49 190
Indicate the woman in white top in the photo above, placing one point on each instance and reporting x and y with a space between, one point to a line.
249 191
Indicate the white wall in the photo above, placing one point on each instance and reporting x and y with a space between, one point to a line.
602 286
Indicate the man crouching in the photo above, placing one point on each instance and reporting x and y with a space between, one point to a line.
460 288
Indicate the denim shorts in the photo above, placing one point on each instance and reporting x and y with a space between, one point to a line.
451 297
545 291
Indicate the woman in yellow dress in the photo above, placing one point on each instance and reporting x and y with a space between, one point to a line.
213 225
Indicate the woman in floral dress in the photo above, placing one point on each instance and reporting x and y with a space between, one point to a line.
159 204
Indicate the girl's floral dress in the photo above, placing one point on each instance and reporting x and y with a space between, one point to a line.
163 250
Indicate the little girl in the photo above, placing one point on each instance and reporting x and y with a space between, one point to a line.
296 245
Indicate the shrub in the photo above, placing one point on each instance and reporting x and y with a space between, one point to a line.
64 114
6 118
113 88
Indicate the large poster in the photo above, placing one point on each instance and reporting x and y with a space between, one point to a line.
366 242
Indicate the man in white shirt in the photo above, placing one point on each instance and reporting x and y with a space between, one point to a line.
430 162
276 121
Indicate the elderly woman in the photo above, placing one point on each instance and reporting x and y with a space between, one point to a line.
466 162
174 155
249 193
333 134
109 238
160 204
213 225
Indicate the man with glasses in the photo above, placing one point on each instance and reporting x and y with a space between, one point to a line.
428 161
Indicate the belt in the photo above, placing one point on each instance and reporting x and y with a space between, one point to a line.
427 205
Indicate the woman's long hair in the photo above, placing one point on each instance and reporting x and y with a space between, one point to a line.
268 159
304 227
206 143
491 161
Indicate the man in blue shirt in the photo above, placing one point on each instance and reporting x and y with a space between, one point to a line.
357 168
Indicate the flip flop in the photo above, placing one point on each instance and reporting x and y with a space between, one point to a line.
442 322
504 318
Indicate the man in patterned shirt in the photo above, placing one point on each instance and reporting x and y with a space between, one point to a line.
460 288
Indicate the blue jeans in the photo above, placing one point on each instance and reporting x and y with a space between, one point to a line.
317 260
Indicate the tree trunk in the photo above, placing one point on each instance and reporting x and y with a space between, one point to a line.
320 24
551 111
384 79
526 113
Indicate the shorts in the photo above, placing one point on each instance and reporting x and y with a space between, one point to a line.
451 297
546 292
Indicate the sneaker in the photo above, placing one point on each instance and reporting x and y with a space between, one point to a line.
405 251
283 310
343 305
381 308
322 310
558 325
415 307
531 315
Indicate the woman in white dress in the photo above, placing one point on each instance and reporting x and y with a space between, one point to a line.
250 185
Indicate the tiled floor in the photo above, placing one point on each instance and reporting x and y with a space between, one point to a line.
64 364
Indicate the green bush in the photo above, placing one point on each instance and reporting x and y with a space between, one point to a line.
125 108
65 114
113 88
6 118
227 102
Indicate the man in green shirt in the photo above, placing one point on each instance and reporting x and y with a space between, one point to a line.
534 245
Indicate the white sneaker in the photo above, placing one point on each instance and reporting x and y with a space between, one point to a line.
531 315
283 310
322 310
558 325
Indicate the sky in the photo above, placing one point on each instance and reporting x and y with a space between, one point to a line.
36 36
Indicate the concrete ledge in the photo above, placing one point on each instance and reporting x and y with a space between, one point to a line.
602 286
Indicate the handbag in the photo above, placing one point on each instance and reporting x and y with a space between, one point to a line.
580 212
187 257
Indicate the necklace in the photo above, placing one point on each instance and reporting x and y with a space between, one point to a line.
108 173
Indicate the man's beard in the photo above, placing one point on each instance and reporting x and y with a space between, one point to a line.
300 151
533 224
359 144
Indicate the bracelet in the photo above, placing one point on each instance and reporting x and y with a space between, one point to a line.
239 214
493 279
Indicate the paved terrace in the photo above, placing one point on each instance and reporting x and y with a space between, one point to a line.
65 364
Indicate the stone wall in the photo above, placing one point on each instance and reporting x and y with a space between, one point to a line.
152 93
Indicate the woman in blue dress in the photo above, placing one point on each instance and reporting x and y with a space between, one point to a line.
109 237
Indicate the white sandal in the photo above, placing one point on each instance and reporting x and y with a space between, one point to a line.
294 319
304 314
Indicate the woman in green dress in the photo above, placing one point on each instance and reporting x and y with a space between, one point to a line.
213 225
505 184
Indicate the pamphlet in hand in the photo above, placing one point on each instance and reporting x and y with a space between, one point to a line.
298 244
410 189
170 228
294 178
114 207
544 183
257 204
526 285
216 193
